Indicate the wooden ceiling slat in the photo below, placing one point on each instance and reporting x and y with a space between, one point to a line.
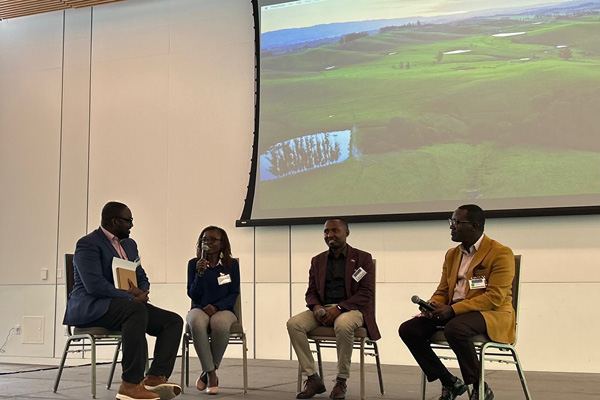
35 10
29 6
20 8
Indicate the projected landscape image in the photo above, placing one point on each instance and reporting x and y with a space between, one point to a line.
474 105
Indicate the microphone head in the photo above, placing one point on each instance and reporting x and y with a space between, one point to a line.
415 299
321 312
205 247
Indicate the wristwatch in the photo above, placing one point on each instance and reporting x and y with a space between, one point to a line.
340 308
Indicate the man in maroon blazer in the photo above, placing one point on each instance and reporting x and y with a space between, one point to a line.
341 284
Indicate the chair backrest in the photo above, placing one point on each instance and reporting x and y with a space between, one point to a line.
237 308
69 274
374 286
516 287
69 280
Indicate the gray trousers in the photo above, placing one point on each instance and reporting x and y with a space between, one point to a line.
210 352
344 327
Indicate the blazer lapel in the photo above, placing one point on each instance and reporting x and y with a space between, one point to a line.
107 243
322 263
351 266
453 277
484 249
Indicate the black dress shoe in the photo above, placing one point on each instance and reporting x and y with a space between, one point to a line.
453 391
488 394
312 385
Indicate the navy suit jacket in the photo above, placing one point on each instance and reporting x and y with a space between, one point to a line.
360 294
94 286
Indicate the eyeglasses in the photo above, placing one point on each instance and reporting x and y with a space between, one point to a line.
455 223
210 240
130 220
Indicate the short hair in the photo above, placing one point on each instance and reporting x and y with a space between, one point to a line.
475 214
111 210
227 259
342 221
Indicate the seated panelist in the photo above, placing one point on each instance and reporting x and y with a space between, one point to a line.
96 302
474 297
213 284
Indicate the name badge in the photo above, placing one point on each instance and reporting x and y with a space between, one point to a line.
359 274
224 279
478 282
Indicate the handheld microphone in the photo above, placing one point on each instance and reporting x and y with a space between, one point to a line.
203 251
321 312
425 304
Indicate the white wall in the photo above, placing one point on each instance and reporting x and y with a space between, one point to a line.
151 102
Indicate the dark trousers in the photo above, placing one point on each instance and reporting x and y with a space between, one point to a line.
417 331
134 319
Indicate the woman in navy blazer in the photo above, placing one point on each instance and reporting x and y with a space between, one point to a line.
213 285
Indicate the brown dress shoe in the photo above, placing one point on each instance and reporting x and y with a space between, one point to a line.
135 391
339 390
312 385
159 385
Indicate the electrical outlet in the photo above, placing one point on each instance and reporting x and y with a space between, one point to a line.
17 329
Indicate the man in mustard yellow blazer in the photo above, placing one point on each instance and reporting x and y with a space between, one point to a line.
474 296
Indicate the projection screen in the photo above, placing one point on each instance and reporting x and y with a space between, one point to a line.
404 109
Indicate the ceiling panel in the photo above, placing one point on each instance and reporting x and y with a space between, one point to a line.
20 8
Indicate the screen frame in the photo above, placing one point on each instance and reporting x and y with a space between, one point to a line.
246 219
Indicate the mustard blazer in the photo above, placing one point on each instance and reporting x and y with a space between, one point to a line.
497 263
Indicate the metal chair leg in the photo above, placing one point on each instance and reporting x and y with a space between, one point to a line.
93 362
182 364
61 366
362 369
245 362
378 364
482 373
423 385
114 364
187 363
521 374
319 358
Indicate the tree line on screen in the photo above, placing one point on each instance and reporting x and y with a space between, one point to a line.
302 154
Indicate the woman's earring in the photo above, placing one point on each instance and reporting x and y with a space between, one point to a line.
221 255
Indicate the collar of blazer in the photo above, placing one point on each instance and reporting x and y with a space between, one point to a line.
108 244
484 249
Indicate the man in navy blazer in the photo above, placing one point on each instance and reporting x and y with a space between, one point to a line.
96 302
341 284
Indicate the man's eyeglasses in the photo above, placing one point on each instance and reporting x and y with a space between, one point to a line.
455 223
210 240
130 220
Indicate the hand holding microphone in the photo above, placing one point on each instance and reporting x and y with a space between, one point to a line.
202 263
422 303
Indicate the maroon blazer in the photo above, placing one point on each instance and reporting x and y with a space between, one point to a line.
360 294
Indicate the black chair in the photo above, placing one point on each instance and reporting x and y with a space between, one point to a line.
324 337
236 336
501 352
81 340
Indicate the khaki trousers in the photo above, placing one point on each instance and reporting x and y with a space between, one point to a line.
344 327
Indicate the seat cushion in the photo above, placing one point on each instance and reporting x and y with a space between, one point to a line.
94 330
327 332
439 338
